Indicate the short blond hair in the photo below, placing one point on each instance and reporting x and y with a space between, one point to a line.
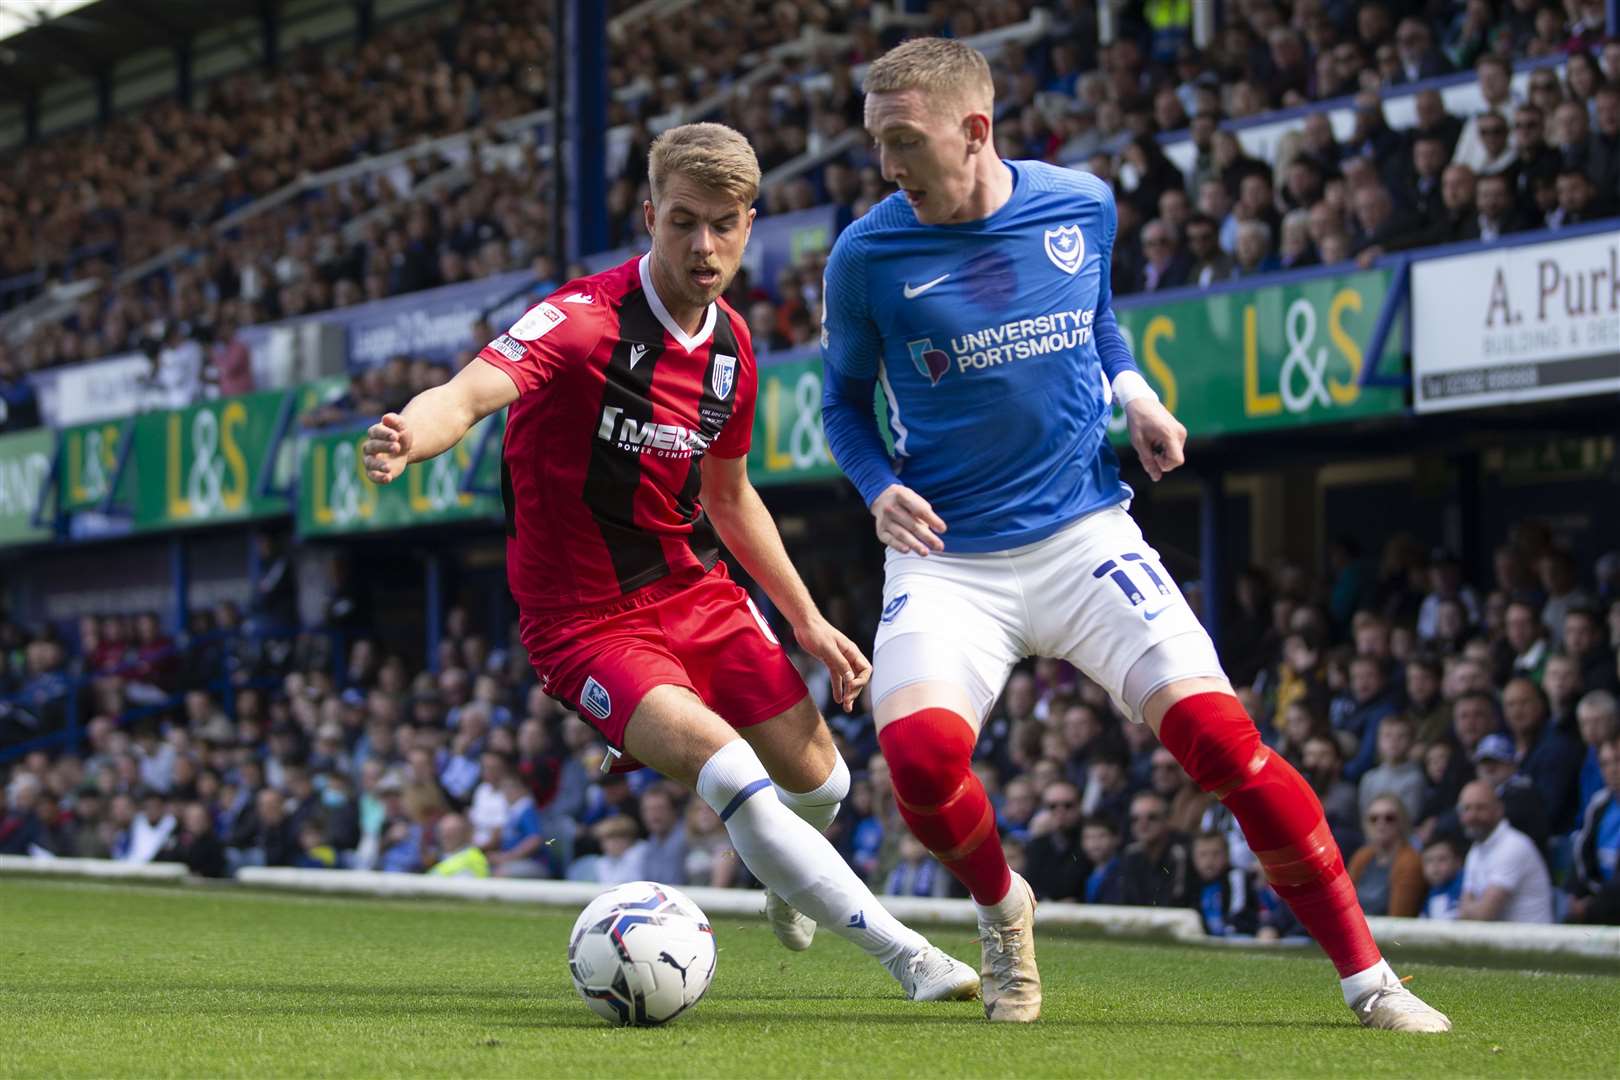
714 156
942 69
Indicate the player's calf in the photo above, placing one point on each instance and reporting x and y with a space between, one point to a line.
1282 819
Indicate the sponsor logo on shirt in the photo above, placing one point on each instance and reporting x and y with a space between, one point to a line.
512 350
1022 339
661 440
537 322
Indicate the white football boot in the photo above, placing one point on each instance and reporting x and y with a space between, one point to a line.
794 929
1012 984
1393 1007
932 974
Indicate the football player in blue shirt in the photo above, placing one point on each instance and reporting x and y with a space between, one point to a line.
977 298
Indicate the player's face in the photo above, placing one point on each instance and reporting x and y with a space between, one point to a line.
927 148
698 239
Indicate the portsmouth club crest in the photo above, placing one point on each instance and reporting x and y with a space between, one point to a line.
723 376
1066 247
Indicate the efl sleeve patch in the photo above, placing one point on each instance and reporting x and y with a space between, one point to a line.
537 322
512 350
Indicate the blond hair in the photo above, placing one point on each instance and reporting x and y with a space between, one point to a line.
942 69
713 155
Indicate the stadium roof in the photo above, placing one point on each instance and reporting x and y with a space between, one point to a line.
45 41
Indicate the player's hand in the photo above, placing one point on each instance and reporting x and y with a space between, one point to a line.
906 522
387 449
848 666
1157 436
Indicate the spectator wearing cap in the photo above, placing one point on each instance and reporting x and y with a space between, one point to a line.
1595 881
1548 758
1504 877
1526 810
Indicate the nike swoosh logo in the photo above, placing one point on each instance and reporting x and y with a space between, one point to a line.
636 353
1151 615
912 292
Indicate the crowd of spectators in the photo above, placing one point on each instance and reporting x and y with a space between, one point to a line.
1464 738
83 205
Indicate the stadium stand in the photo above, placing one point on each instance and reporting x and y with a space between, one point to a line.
1303 135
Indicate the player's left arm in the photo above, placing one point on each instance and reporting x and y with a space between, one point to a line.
749 532
1158 437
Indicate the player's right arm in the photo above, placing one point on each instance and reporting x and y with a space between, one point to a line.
518 362
851 347
435 420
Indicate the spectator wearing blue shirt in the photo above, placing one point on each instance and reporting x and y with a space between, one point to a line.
521 844
1598 717
665 858
1223 894
1369 701
1099 841
1595 888
1442 871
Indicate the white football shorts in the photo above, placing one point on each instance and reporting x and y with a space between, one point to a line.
1094 593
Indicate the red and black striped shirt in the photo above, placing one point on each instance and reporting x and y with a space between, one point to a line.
616 408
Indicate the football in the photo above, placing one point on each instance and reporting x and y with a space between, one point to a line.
641 954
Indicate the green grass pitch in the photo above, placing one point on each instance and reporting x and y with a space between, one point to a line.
116 980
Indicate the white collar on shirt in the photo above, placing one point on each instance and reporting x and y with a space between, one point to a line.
656 302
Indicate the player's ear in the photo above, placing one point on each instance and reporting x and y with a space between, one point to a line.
650 215
748 224
976 129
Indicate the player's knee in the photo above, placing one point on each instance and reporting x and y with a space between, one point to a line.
732 777
1215 741
831 791
927 752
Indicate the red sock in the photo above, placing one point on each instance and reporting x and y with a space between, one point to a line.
930 755
1217 744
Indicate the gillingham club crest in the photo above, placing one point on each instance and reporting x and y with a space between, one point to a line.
1066 248
724 375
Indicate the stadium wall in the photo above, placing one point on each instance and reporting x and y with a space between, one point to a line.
1177 924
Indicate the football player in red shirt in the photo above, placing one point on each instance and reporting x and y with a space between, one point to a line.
625 464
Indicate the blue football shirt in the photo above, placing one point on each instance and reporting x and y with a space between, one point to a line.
994 345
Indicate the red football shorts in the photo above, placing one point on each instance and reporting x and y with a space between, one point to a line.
705 635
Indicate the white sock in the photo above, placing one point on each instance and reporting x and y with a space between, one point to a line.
795 861
1005 908
1362 983
820 806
